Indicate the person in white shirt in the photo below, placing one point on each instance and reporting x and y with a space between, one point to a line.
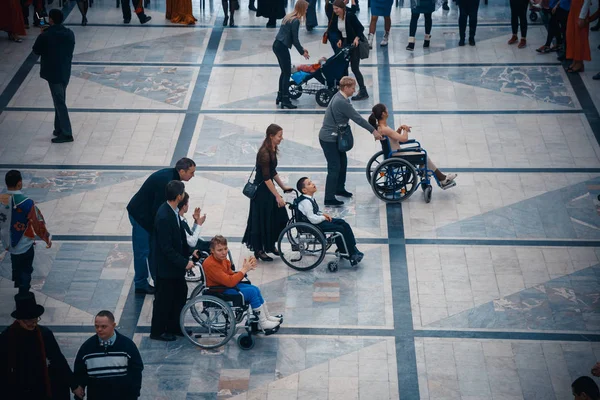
192 234
309 212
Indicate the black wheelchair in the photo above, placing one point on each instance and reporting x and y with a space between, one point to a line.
303 246
210 318
395 176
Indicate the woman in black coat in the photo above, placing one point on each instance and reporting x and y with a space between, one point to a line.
346 26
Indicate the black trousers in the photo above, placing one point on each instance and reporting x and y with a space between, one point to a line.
285 64
138 6
414 19
337 164
22 268
467 9
341 226
169 300
561 18
62 123
355 66
518 16
38 6
553 30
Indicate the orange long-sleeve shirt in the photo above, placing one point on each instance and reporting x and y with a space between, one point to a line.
219 273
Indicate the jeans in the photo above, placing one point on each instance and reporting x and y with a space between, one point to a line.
139 9
140 239
518 15
468 9
414 18
251 294
337 164
285 64
341 226
355 66
22 268
62 123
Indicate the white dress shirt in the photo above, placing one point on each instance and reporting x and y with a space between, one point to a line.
306 208
192 239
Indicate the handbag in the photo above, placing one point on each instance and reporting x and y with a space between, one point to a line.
345 140
363 48
250 188
326 34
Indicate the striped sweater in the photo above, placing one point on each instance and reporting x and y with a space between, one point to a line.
112 372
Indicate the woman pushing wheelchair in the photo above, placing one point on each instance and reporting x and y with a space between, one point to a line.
378 120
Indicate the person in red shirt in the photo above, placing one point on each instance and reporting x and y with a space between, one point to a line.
217 269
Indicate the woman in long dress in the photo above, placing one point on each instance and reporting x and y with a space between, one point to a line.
578 44
267 216
11 20
180 12
271 9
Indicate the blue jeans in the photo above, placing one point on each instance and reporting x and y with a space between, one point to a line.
140 239
251 294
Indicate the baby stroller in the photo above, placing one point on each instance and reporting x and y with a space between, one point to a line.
327 77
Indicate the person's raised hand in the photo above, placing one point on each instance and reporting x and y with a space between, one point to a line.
249 264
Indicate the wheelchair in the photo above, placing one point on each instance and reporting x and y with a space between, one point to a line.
303 246
394 178
210 318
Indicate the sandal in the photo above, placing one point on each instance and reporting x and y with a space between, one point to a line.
14 38
571 70
543 49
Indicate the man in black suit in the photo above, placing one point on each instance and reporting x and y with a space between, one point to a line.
142 210
166 257
55 45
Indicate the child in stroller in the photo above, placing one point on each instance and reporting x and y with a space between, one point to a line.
327 76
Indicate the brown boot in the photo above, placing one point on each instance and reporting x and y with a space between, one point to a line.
522 43
513 39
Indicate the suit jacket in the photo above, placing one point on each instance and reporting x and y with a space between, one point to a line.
353 27
166 250
145 203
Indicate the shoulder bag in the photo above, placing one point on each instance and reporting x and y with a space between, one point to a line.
326 34
363 48
250 188
345 140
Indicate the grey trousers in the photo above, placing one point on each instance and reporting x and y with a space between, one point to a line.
62 123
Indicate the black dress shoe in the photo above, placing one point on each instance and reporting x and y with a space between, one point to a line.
126 21
334 203
461 42
62 139
165 337
56 133
471 41
149 290
145 19
344 193
261 255
276 253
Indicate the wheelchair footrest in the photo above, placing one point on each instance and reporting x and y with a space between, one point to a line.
448 186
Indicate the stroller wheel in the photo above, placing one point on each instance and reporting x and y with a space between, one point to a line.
295 90
323 97
533 16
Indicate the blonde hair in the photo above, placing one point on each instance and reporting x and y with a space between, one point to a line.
299 12
347 81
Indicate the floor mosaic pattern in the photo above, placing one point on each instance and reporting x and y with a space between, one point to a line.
491 291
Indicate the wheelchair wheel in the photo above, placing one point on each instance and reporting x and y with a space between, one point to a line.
427 193
207 321
245 341
394 180
332 266
305 250
295 90
323 97
373 163
533 16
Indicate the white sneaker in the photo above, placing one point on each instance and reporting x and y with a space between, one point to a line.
384 41
449 179
370 40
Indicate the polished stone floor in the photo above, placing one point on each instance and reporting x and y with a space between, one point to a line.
491 291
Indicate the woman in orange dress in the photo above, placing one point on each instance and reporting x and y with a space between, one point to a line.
180 12
11 20
578 44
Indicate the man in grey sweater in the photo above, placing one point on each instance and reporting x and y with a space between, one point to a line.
339 112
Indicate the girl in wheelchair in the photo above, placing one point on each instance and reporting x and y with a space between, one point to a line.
219 273
378 120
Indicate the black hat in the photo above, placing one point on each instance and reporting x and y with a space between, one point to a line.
27 308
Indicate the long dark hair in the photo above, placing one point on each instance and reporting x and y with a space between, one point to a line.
342 5
267 144
376 114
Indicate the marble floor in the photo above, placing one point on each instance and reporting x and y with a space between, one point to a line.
491 291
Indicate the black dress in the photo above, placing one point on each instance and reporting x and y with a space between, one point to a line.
272 9
265 220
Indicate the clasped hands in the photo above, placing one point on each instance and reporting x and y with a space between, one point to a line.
248 265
